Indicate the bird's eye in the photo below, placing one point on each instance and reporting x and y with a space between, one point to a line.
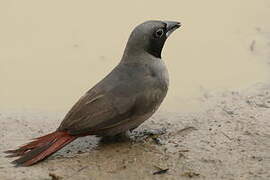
159 33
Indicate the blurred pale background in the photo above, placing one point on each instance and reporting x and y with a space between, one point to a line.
52 51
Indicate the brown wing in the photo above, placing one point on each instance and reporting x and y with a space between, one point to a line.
123 93
99 110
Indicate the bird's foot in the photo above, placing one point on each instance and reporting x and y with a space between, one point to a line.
154 134
150 132
136 136
121 137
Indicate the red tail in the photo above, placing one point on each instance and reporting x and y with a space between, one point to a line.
40 148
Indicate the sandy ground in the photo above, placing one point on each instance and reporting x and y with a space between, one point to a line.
228 139
48 60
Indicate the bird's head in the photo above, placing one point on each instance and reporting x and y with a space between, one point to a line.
150 37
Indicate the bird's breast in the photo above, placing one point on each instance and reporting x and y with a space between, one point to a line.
160 75
156 87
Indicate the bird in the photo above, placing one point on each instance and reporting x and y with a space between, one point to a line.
120 102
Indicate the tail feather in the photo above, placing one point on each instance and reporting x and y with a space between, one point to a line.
32 154
14 154
40 148
39 141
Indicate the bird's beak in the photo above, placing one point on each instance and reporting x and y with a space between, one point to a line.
171 26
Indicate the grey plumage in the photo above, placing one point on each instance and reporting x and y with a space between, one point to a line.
122 101
131 93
